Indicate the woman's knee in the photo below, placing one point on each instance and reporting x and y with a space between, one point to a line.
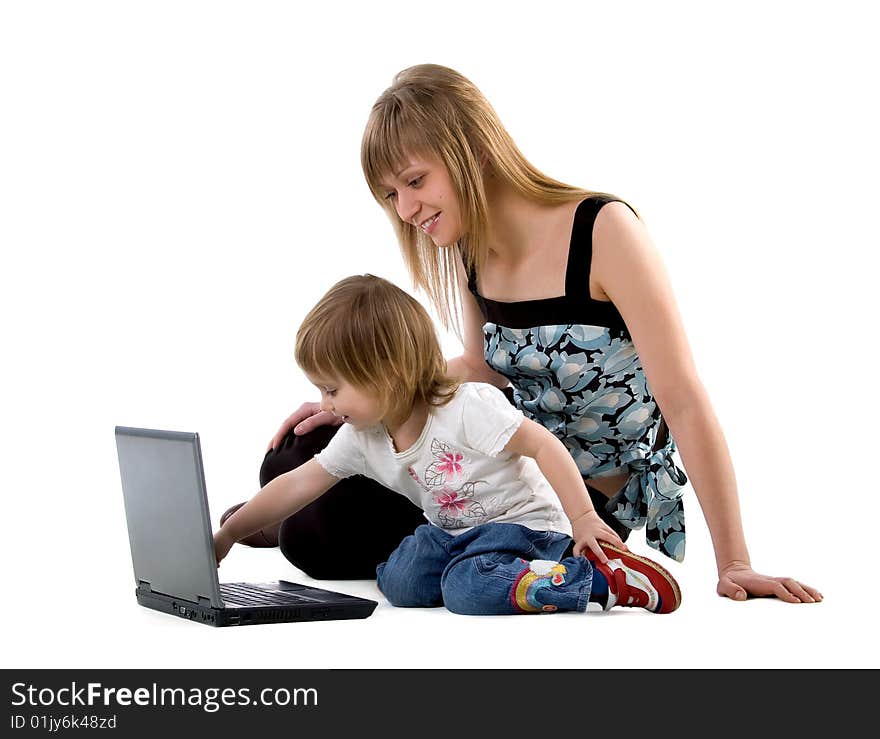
293 451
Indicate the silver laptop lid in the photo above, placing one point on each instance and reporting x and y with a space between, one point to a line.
166 508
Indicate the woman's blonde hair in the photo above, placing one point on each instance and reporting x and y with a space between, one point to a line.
435 111
370 333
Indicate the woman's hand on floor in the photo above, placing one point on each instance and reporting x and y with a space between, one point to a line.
738 581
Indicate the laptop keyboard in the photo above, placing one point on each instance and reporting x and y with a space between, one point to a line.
249 595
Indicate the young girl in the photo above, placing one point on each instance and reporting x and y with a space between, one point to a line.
562 296
502 495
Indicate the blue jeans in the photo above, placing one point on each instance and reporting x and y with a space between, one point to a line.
493 569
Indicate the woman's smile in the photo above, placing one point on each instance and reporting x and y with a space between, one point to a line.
430 224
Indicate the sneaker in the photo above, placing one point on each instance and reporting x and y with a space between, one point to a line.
636 581
264 538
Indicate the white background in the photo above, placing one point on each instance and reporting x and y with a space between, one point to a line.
180 181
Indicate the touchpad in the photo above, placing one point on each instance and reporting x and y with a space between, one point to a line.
284 585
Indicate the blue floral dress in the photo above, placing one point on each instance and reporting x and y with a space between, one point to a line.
574 369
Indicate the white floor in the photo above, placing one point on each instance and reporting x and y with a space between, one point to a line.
76 608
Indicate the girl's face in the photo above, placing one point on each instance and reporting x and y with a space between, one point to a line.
423 194
352 404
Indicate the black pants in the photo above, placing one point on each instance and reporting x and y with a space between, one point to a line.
357 523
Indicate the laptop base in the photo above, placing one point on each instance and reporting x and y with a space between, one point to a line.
345 607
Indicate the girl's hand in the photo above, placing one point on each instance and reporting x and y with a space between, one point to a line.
738 581
222 544
588 530
304 419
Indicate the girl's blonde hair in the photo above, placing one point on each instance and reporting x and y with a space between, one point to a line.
435 111
370 333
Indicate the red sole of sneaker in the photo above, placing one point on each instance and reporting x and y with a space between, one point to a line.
623 553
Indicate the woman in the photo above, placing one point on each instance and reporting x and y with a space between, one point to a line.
560 294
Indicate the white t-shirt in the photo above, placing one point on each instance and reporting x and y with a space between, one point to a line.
457 471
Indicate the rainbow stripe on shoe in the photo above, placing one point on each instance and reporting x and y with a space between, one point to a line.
636 582
538 574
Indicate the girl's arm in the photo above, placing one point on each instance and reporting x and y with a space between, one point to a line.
556 464
629 270
282 497
471 365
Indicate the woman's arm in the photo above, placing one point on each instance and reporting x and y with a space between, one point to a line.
280 498
629 270
471 366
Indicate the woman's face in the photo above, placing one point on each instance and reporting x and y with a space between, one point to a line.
422 193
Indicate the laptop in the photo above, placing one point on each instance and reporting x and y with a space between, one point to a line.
172 545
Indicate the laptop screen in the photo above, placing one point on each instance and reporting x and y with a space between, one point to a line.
166 508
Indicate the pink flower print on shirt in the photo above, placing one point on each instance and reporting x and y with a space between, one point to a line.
450 502
457 508
448 464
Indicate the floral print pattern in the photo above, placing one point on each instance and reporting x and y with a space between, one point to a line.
450 463
587 386
452 493
457 508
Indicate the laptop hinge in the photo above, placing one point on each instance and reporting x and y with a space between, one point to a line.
144 585
203 601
